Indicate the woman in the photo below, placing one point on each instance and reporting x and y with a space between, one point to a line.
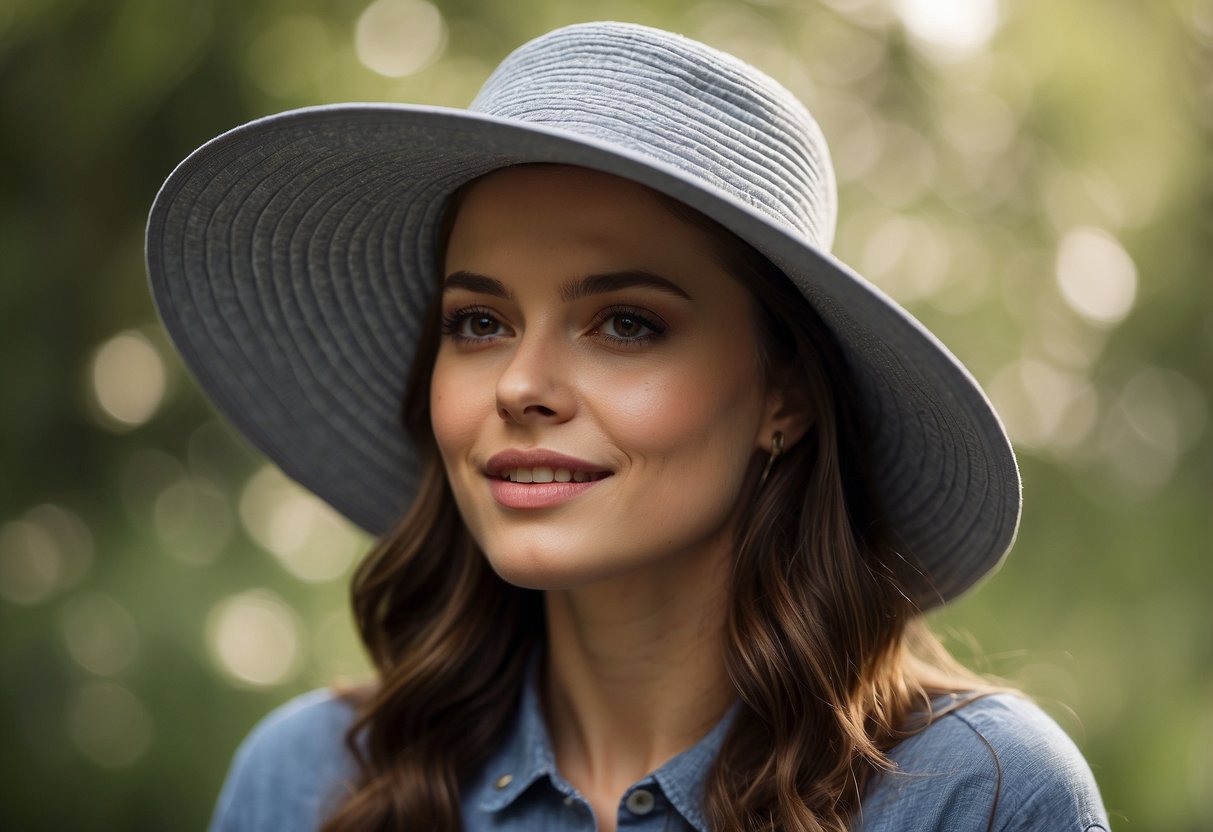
674 486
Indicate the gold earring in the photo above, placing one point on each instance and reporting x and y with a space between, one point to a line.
776 451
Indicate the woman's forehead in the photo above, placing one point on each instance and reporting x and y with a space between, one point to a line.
549 191
520 218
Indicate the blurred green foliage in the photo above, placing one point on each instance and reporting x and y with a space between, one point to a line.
1033 179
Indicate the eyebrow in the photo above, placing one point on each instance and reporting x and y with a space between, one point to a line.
477 283
570 290
600 284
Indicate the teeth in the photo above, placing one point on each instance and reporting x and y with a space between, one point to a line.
544 474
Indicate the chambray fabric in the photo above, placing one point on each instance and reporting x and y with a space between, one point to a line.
294 768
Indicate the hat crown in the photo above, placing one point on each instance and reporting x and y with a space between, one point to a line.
679 103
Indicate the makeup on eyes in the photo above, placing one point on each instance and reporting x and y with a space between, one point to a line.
601 283
453 322
479 323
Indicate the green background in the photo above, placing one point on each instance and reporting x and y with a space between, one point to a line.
1032 179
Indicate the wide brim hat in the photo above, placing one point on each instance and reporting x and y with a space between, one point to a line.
293 260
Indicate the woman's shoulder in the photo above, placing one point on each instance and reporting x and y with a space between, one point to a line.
312 722
289 768
997 754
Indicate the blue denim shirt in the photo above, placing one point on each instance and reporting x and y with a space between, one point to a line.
293 770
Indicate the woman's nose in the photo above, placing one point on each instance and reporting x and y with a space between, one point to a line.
533 386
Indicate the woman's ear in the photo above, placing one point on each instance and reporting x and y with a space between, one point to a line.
788 414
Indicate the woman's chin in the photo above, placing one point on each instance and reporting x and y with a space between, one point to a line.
548 571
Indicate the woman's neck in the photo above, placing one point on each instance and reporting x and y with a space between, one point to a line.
634 675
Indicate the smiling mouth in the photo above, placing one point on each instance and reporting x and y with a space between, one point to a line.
543 474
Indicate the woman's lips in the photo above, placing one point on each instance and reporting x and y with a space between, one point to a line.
544 474
519 495
537 478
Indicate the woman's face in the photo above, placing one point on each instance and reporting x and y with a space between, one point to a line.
597 395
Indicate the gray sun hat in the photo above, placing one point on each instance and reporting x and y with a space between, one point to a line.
292 260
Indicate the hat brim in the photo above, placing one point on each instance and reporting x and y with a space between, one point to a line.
293 261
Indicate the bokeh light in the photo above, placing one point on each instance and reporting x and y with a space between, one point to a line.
1096 275
30 565
949 27
1165 408
1044 406
1157 416
100 634
400 37
193 519
907 257
109 725
72 537
977 122
308 538
1080 200
45 550
128 380
254 639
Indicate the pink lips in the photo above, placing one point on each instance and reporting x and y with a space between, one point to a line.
503 466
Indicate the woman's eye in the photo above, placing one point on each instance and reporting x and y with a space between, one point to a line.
480 326
626 326
629 326
472 325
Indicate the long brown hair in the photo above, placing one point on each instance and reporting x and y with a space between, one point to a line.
827 654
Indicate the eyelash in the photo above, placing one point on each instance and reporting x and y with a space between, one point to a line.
452 324
655 325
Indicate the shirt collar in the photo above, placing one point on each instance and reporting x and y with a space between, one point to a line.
525 756
684 777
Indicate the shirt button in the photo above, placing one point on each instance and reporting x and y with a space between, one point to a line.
640 802
503 781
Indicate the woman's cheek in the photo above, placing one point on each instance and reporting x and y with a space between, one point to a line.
453 413
661 411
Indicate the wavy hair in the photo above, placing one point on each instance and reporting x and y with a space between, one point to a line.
827 653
